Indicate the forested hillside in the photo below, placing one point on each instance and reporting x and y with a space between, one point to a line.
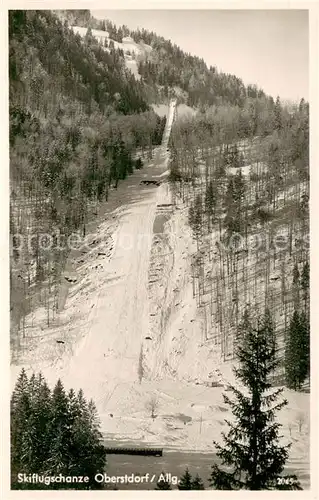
167 69
244 178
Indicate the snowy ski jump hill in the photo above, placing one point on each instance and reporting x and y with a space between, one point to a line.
130 332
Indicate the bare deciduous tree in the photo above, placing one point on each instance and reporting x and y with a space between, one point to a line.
152 406
290 428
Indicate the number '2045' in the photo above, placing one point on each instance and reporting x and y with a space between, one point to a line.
285 480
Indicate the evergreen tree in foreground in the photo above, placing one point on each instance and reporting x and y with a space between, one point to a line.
297 350
305 343
186 482
296 286
197 483
305 282
252 456
53 433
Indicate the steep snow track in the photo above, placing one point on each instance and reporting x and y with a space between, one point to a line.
109 353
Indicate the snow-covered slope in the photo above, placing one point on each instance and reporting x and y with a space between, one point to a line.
127 44
182 110
132 331
130 48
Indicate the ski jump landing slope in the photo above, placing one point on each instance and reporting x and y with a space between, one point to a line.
108 352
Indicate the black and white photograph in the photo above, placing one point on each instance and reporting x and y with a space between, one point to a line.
159 249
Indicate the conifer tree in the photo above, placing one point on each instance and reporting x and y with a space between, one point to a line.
305 344
239 187
305 279
197 483
278 114
230 193
243 327
210 202
233 201
291 352
226 158
175 173
40 417
185 482
138 164
90 453
252 457
297 350
296 285
20 414
88 36
53 433
60 432
195 216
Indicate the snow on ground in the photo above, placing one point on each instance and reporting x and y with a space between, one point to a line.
131 64
164 174
98 34
246 170
182 110
128 46
160 109
136 303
